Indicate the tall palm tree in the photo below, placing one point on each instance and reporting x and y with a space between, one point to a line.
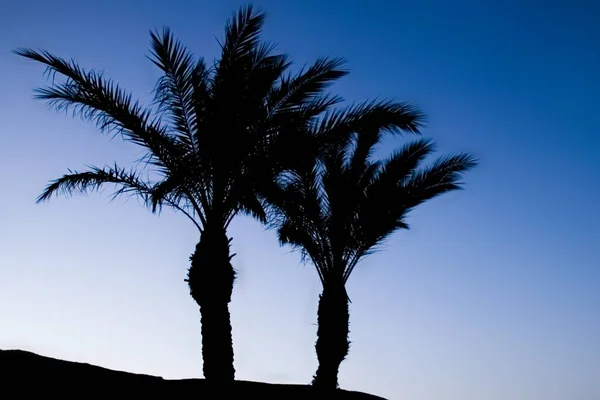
338 207
215 135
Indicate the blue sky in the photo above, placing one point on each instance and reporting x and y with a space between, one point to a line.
493 293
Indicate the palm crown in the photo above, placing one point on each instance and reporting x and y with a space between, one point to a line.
216 132
339 209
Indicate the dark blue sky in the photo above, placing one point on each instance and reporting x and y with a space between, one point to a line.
493 293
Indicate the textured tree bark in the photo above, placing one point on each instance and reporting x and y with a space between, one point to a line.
332 334
210 279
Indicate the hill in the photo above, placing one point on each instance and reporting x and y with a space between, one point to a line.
23 373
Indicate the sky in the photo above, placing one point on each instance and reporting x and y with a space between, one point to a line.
492 294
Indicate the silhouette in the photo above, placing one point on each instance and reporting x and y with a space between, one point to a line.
216 139
338 206
65 378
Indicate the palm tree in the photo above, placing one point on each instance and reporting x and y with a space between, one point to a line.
340 206
215 135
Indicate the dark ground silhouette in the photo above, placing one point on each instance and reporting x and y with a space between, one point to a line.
23 373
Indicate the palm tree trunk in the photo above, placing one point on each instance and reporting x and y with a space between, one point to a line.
211 278
332 334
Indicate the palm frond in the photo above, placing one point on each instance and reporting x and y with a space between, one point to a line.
295 91
176 89
94 179
402 164
380 201
127 182
101 100
297 213
442 176
314 107
242 32
398 188
337 126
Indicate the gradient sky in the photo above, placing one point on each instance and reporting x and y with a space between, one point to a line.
493 293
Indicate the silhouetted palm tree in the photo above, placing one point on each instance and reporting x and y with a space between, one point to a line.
338 207
215 136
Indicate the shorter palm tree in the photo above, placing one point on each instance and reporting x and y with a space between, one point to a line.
338 207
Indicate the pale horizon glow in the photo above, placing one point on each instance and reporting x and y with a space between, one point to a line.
492 294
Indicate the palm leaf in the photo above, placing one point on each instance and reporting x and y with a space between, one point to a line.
295 91
442 176
101 100
337 126
241 42
402 164
94 179
176 89
126 181
397 189
241 34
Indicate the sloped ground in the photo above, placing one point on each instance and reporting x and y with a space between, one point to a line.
23 373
